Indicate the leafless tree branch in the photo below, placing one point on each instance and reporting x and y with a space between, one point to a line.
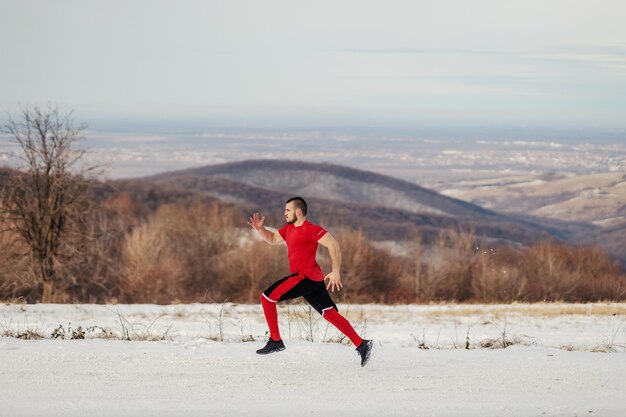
45 202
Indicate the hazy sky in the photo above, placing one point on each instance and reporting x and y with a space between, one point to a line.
350 62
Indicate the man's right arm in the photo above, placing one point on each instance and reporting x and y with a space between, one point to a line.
273 238
256 222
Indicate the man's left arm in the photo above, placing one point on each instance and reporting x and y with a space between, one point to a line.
334 278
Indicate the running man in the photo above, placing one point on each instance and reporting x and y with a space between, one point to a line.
306 279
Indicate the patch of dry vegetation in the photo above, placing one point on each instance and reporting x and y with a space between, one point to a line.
460 267
202 252
546 310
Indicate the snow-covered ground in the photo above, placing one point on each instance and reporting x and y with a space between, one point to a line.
199 360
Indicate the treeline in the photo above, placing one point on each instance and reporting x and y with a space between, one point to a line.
204 252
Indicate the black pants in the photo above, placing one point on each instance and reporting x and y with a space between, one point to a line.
295 285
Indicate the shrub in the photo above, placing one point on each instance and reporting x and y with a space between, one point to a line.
242 273
174 255
370 274
203 252
459 267
558 272
442 271
496 275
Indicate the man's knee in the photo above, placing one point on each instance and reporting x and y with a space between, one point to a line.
266 299
332 310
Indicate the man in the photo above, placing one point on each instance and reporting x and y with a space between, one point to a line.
306 279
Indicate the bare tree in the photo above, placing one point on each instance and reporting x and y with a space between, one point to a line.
45 202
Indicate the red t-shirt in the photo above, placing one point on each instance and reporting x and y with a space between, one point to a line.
302 247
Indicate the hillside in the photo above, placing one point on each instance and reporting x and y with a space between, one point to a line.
335 182
384 207
594 204
593 198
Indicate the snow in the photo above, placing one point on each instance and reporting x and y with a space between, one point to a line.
205 365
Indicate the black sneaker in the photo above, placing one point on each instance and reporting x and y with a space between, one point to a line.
365 351
271 347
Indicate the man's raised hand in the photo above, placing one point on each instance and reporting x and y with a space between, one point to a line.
256 222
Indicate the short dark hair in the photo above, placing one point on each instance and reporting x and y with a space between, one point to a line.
299 203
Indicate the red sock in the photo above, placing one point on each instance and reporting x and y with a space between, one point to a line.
271 316
342 325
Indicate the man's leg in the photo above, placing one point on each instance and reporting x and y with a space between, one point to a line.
321 301
342 324
271 316
275 344
331 314
283 289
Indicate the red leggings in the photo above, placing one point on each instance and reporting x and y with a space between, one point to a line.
315 293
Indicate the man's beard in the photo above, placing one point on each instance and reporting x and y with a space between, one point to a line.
292 220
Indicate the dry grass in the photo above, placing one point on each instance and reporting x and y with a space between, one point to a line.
174 255
461 268
530 310
15 279
244 272
199 253
369 273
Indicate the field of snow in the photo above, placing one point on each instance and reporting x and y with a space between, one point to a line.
193 360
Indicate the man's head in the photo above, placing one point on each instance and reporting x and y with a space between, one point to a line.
295 208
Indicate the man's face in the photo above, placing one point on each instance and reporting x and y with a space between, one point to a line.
290 213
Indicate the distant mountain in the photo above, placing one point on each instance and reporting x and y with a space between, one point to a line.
334 182
382 206
590 207
596 198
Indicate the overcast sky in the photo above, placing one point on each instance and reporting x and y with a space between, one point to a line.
350 62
